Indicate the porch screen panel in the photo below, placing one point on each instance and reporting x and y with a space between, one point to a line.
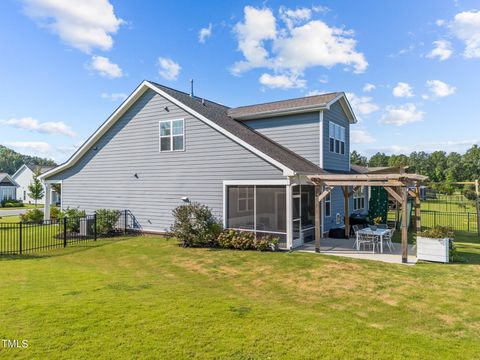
271 208
308 206
241 204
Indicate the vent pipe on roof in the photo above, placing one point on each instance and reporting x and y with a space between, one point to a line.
191 87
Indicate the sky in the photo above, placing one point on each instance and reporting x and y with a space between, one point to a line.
411 69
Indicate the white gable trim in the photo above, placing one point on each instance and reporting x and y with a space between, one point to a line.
19 171
139 91
345 104
9 178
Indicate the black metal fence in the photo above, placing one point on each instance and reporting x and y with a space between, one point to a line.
458 221
22 237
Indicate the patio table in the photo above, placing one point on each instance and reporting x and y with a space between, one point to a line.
378 232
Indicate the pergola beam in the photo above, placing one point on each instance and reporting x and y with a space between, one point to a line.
367 177
325 193
362 183
394 194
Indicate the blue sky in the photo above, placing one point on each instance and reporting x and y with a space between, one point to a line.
411 69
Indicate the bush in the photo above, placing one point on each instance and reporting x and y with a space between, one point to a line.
470 194
73 215
245 240
33 216
195 225
438 232
55 213
107 220
12 203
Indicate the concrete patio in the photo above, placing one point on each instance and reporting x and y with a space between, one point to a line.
345 247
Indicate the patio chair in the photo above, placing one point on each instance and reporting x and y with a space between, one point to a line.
367 239
387 239
355 230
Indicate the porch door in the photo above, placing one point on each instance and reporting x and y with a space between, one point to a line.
296 215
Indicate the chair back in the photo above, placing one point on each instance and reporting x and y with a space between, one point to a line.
355 228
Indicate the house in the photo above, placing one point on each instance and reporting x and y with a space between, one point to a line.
162 148
8 188
24 177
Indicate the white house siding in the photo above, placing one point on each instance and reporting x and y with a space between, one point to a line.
104 177
24 178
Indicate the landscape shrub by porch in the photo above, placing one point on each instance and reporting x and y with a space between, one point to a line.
245 240
107 220
74 215
54 213
33 215
12 203
195 225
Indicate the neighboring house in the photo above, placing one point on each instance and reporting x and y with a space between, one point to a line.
8 188
24 177
162 148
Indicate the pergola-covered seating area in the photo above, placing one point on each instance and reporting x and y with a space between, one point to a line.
398 185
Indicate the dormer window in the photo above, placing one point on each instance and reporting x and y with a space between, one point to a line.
337 138
172 135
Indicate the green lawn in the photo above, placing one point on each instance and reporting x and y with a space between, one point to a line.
25 206
145 297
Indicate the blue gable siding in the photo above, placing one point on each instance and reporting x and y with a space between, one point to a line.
299 133
334 161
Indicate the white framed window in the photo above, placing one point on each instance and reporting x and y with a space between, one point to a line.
359 199
336 135
246 198
328 205
172 135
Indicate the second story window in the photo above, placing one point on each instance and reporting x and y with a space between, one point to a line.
359 199
172 135
328 205
337 138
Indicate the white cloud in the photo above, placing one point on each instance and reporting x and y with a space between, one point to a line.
362 105
31 124
466 27
39 147
368 87
361 137
402 89
316 92
451 145
205 33
169 69
401 115
291 49
439 89
442 50
281 81
104 67
85 25
114 96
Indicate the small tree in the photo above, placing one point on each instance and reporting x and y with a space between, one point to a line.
35 188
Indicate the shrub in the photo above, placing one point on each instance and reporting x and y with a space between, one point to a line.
245 240
106 221
470 194
438 232
54 213
73 215
195 225
33 215
12 203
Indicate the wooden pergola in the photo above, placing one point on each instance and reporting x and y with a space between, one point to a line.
398 185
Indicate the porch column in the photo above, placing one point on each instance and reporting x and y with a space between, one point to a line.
318 217
289 217
46 208
404 224
346 199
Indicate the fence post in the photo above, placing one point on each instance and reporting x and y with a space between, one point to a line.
95 227
434 219
20 234
64 231
125 223
468 222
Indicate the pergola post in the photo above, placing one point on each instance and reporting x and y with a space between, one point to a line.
318 217
418 215
346 211
404 224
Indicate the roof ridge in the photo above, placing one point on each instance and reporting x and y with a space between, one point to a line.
289 99
187 94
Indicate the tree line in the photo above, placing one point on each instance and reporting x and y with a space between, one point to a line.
11 161
441 167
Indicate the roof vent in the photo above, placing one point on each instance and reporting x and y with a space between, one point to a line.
203 102
191 87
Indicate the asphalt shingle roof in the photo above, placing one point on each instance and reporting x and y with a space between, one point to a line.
41 168
307 101
218 114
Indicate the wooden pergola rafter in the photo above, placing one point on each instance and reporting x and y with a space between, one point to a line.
398 185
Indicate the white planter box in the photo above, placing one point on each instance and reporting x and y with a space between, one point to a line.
433 249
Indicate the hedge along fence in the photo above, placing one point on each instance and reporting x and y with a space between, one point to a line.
456 220
26 237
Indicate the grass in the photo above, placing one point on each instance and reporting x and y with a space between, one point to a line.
25 206
145 297
9 219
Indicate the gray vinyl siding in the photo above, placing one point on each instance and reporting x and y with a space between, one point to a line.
104 178
299 133
338 207
334 161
